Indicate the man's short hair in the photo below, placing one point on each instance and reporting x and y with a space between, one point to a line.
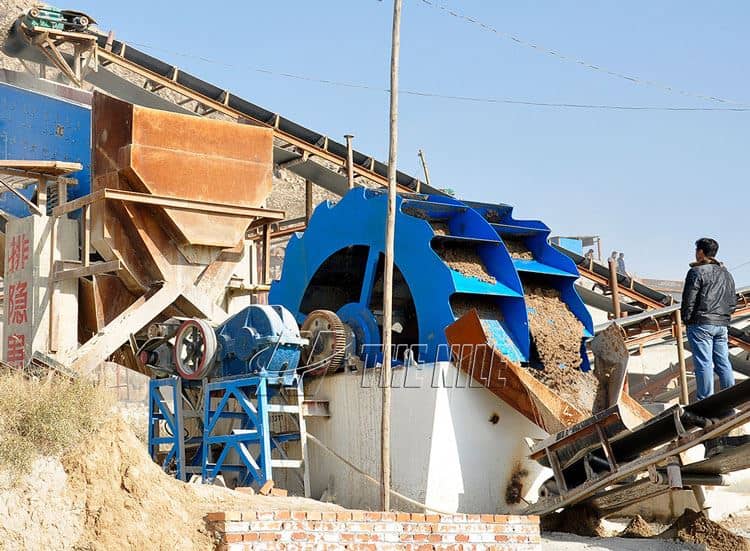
709 246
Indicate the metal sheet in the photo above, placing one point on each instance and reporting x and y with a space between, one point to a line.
35 126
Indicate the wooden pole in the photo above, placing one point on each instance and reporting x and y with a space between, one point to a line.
349 161
615 287
308 200
424 167
390 227
677 331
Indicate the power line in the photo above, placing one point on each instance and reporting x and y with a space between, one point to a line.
571 59
740 266
425 94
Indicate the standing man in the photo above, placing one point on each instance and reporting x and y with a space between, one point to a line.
708 300
621 264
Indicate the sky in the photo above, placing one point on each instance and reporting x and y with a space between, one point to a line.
648 182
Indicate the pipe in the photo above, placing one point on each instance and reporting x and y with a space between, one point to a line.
349 160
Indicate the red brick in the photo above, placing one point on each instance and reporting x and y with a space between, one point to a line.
372 515
298 536
435 538
425 547
405 537
282 515
343 516
268 536
216 517
418 517
252 536
388 517
420 537
299 515
359 516
501 518
231 538
501 537
473 518
403 517
432 518
347 536
487 518
314 515
462 537
266 488
268 525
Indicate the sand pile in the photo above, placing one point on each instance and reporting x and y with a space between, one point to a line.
486 307
580 519
695 527
556 334
9 12
637 528
440 227
129 503
466 261
517 249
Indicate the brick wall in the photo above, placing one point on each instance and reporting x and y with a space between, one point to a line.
363 530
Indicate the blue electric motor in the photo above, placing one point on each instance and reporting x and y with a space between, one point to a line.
258 340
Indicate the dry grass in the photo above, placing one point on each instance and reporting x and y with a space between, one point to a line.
45 417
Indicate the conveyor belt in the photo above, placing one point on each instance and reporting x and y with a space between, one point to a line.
623 280
301 142
628 446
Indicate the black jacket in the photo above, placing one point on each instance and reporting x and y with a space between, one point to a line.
709 295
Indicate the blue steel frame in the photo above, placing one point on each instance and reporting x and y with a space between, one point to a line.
252 394
174 420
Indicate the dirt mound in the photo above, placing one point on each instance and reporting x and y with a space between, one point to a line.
9 12
696 527
129 503
557 335
580 520
637 528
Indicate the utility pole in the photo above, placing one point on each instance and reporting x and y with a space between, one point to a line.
390 230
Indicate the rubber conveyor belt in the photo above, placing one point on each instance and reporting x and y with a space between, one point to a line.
623 280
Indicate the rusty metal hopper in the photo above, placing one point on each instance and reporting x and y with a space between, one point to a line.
474 354
178 190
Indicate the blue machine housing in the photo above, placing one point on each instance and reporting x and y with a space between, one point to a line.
357 222
259 340
34 126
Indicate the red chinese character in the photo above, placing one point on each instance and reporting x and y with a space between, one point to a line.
19 253
16 350
18 302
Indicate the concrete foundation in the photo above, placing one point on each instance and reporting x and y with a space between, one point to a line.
455 447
